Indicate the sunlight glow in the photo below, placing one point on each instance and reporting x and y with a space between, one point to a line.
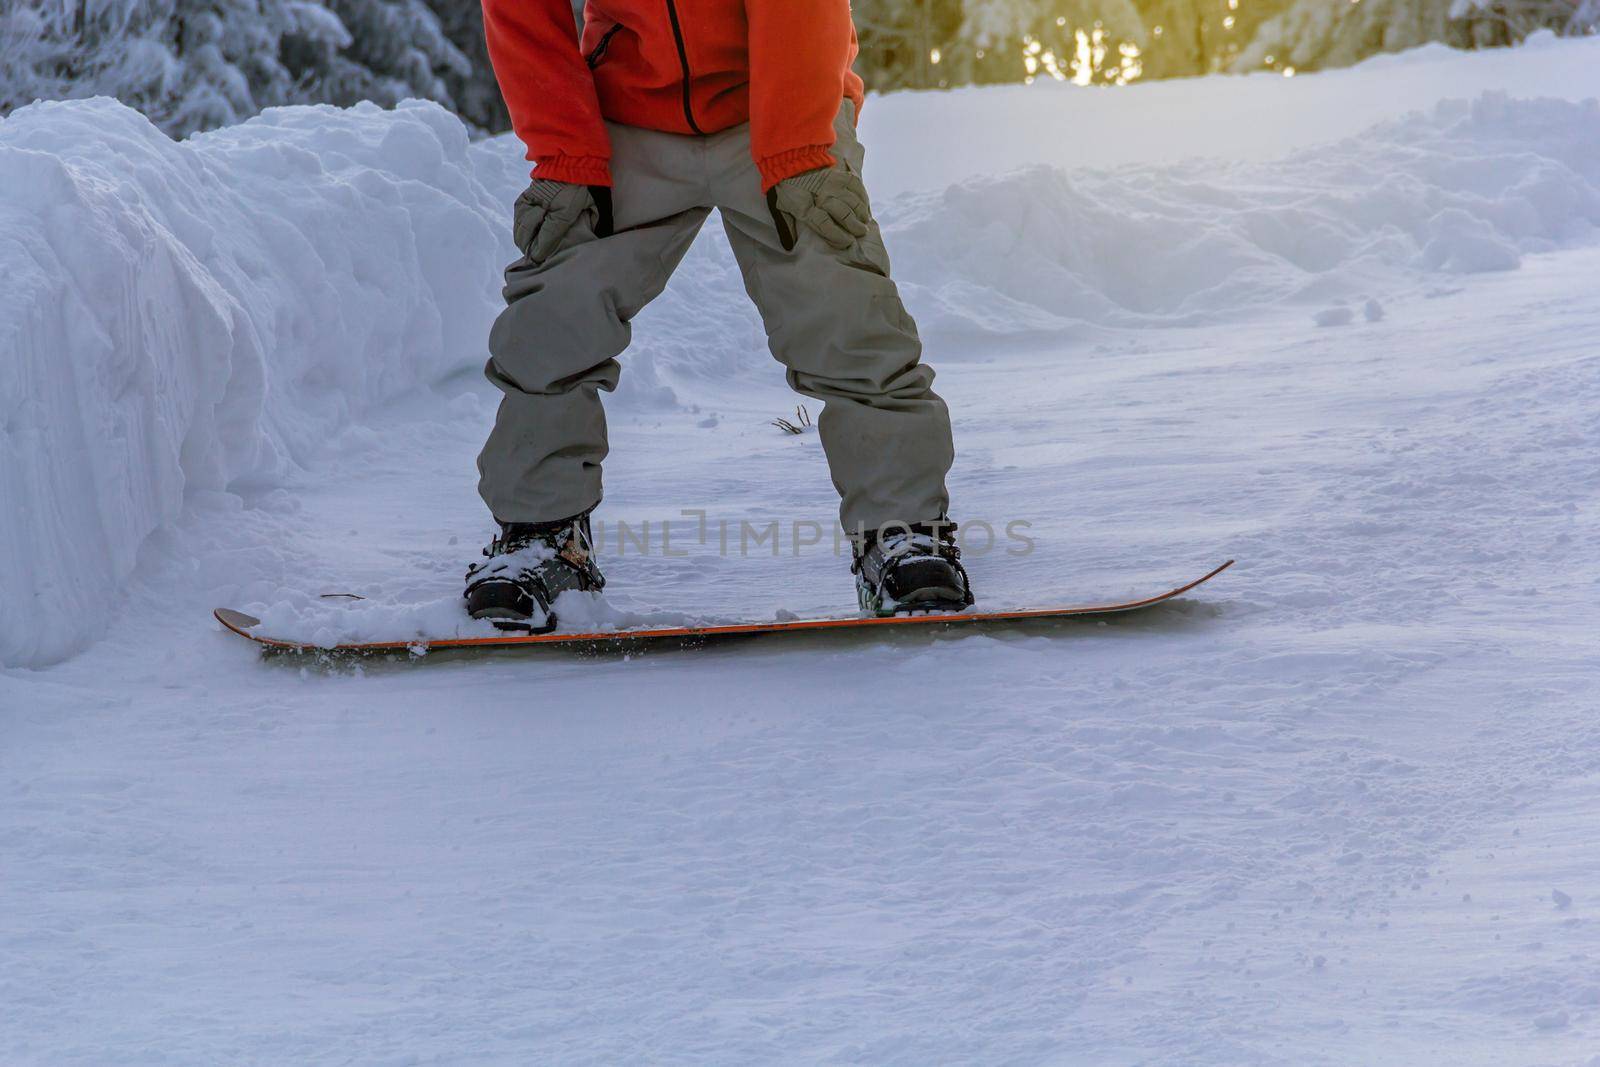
1092 56
1093 61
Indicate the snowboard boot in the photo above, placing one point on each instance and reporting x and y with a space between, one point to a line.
527 567
911 569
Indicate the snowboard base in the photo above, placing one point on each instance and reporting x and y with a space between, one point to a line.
245 626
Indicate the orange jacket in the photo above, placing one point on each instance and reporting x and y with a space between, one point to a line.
686 66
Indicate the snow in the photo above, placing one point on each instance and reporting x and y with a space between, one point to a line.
1336 807
202 316
1464 189
1262 116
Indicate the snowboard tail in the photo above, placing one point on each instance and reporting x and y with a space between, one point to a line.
247 626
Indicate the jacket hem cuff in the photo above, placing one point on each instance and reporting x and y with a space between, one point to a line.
576 170
775 168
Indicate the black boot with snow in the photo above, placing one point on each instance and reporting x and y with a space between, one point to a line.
527 567
915 569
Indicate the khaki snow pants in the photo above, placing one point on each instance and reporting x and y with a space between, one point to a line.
833 318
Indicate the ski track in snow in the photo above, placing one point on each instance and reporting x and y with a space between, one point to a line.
1335 808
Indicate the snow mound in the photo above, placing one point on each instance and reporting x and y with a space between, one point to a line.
201 315
1467 188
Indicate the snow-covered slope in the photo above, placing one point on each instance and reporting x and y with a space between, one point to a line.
1336 810
201 316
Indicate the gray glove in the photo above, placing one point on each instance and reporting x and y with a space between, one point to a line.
829 200
547 210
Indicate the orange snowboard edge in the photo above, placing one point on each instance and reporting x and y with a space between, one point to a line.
242 624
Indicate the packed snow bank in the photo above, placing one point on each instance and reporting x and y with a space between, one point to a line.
195 315
1467 188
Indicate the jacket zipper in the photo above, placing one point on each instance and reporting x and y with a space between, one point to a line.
683 61
599 51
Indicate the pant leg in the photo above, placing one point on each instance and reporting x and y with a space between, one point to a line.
835 320
566 320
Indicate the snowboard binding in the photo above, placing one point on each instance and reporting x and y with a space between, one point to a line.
914 568
526 568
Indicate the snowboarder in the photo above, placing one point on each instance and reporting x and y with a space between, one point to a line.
659 111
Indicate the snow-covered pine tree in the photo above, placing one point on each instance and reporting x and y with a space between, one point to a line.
476 94
188 64
1516 19
198 64
1310 34
904 42
1188 37
398 49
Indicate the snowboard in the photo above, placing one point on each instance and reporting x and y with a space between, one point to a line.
246 626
